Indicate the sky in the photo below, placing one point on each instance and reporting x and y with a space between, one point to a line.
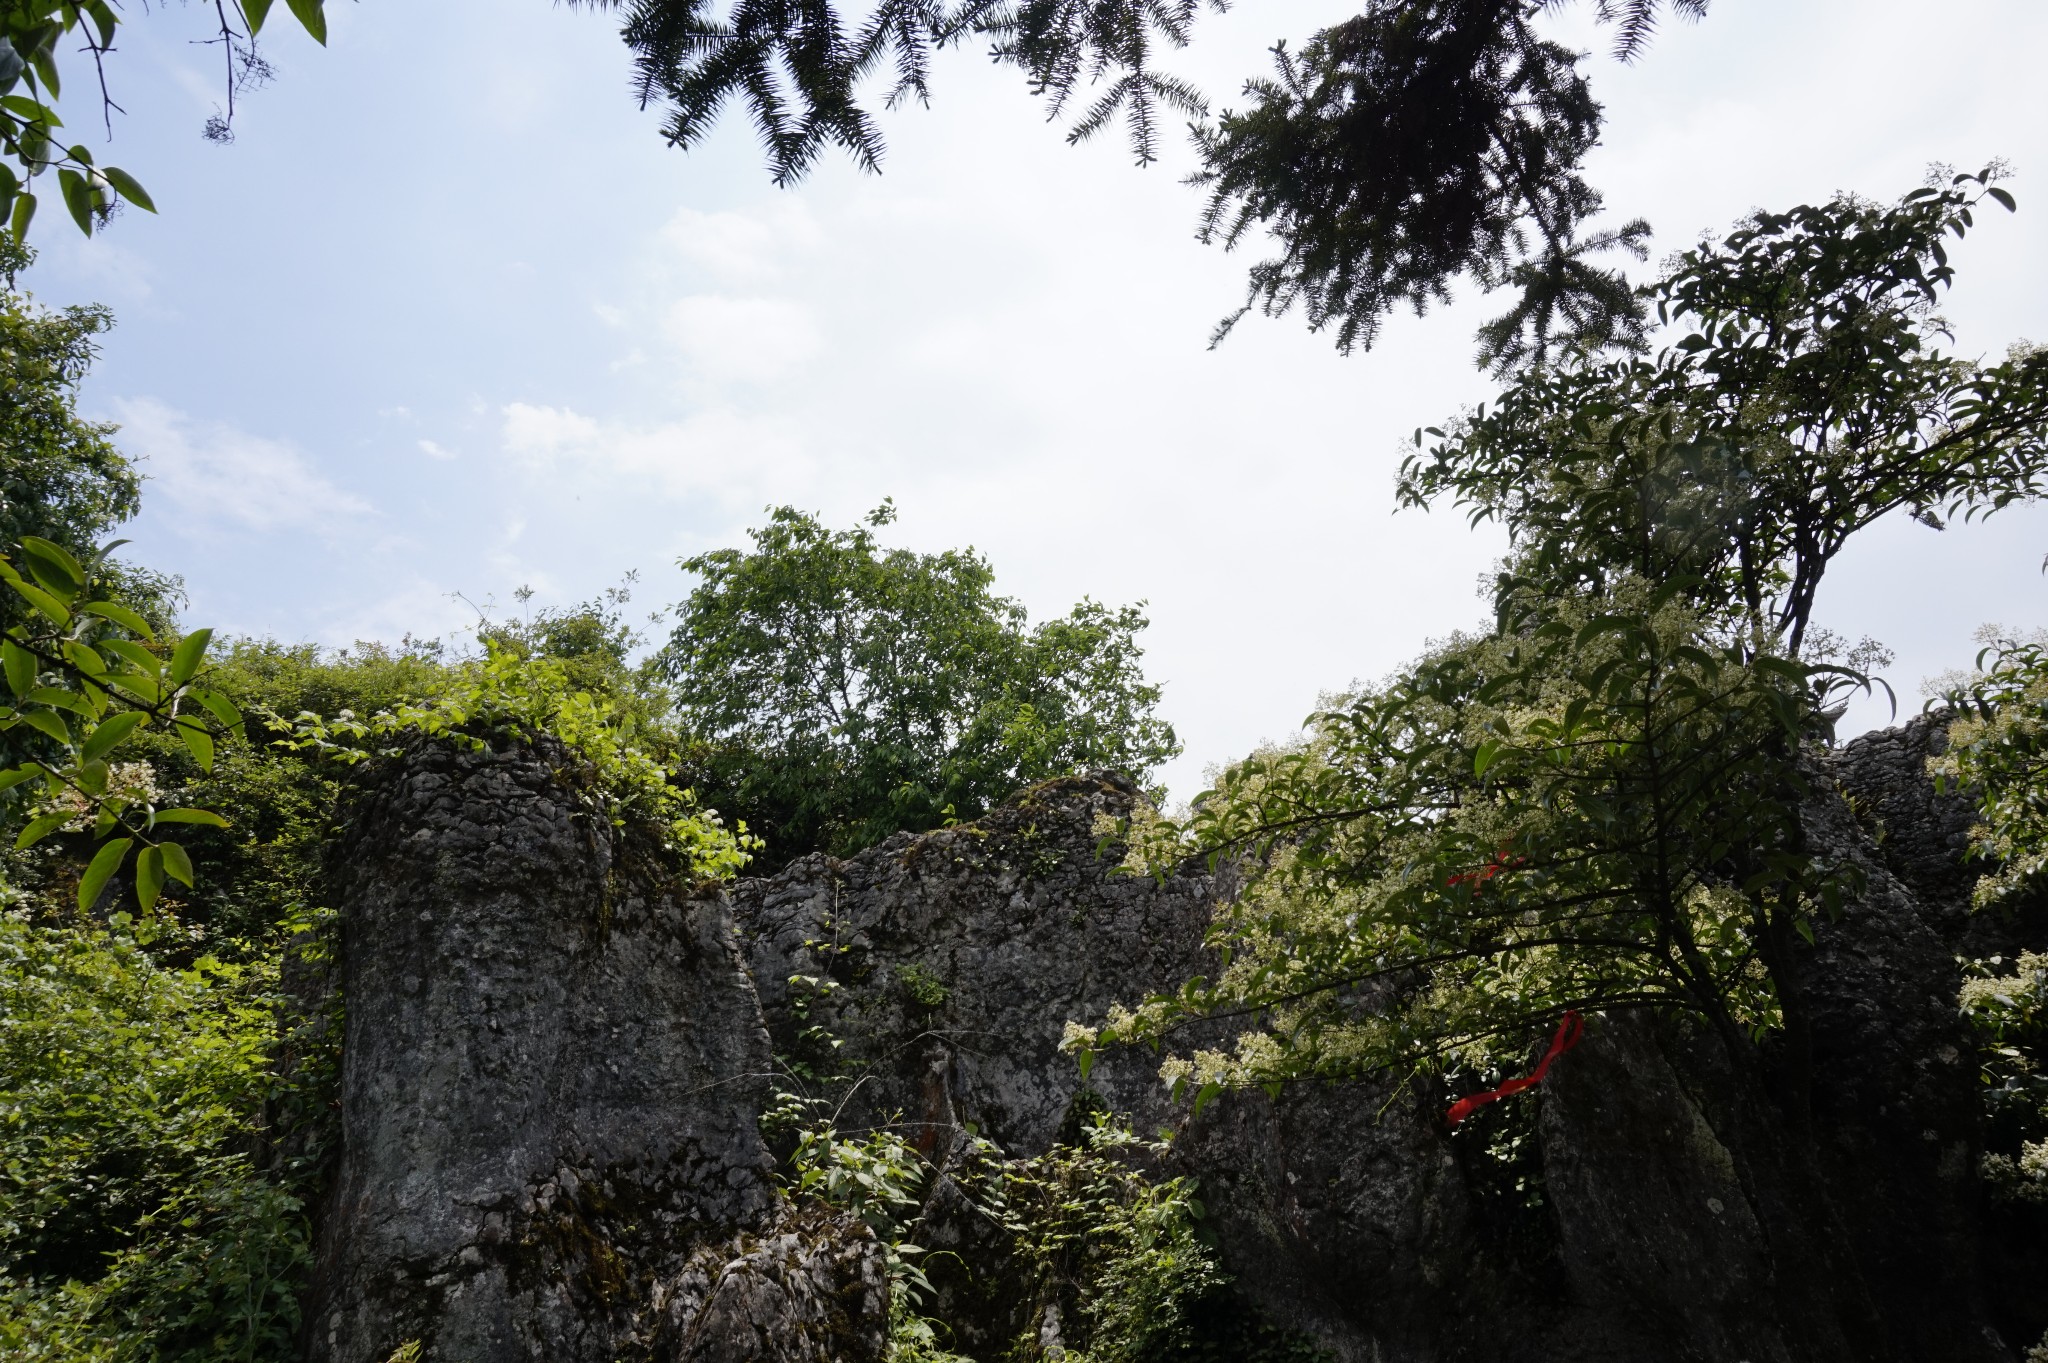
449 318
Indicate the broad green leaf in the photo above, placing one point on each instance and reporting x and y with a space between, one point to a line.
45 722
120 615
61 700
24 213
77 197
41 828
16 775
191 650
149 877
53 567
108 734
104 19
1485 757
198 816
133 654
177 864
20 666
310 14
104 863
198 742
222 709
256 11
145 688
47 605
129 188
82 657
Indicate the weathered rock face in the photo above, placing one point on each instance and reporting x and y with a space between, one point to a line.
553 1069
1666 1211
556 1061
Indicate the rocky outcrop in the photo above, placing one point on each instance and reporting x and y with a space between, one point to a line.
1644 1204
557 1058
553 1070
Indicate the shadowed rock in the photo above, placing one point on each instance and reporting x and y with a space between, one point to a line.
552 1073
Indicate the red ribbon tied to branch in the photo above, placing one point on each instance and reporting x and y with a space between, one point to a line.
1568 1033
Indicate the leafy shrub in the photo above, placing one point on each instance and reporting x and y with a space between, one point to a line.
144 1214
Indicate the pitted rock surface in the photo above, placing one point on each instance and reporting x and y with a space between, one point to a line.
1666 1221
956 958
552 1074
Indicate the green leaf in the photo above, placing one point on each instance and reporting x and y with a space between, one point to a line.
312 16
49 606
41 828
145 688
256 11
59 699
20 666
1484 758
149 877
133 654
45 722
53 567
77 197
24 213
108 734
1804 929
177 864
16 775
129 188
222 709
198 816
198 742
105 862
120 615
185 661
85 660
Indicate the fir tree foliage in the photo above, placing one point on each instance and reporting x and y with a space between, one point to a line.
1417 143
1421 141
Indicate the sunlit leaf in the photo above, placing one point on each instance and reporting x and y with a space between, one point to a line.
40 828
177 863
149 877
104 863
198 816
190 652
108 734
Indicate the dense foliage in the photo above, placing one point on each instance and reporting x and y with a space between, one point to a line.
839 692
1596 805
143 1213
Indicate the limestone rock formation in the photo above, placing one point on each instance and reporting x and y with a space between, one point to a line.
552 1074
557 1058
1652 1208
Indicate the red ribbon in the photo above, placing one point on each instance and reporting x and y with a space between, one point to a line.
1568 1033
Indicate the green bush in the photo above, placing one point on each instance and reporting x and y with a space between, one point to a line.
144 1212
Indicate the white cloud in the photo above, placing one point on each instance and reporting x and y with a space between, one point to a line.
215 475
742 248
749 340
722 456
434 451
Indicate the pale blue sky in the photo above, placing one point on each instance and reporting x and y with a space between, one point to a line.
449 317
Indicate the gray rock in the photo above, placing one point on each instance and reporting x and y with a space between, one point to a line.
552 1072
1671 1213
